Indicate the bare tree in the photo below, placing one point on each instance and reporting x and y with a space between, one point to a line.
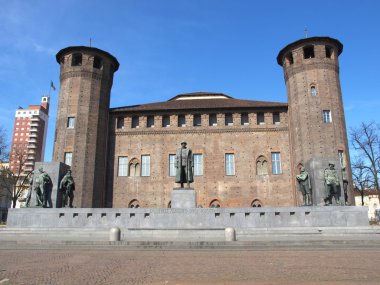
14 182
365 140
361 177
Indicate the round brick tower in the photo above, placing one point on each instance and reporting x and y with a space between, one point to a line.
317 127
86 76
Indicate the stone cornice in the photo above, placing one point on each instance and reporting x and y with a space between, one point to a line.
199 131
80 73
291 71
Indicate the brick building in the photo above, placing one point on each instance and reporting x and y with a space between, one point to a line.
246 153
29 136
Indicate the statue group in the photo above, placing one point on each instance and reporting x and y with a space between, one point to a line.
41 184
332 190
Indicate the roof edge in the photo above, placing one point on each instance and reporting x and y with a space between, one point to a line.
309 40
87 49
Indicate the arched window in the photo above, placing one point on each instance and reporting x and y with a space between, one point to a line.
256 203
308 52
76 59
215 204
261 165
134 167
134 204
289 58
313 91
98 63
170 204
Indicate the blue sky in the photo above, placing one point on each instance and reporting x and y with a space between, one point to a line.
167 47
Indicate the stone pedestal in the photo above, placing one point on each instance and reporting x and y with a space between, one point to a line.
56 171
316 168
184 198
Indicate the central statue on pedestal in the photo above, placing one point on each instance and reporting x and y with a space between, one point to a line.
184 165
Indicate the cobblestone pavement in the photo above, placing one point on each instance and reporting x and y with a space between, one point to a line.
287 266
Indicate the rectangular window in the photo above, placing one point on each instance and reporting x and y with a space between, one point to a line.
181 121
120 123
260 118
122 166
244 119
276 118
150 121
197 120
135 122
198 164
228 120
71 122
165 121
230 164
313 91
212 120
276 163
327 116
172 169
341 157
68 158
145 165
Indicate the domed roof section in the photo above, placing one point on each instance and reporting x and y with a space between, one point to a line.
311 40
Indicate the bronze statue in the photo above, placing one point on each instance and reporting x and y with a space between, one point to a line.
184 164
332 185
67 186
29 196
345 185
41 185
305 186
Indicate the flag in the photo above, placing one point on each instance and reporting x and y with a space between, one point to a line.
52 85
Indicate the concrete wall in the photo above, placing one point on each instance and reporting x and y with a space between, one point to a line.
238 218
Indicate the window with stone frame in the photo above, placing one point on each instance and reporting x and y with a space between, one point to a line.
230 164
198 164
135 122
134 204
228 119
172 169
150 121
327 116
256 203
260 118
134 167
145 165
197 120
276 163
120 123
68 158
181 120
165 121
214 203
122 166
212 121
71 122
261 165
276 118
244 120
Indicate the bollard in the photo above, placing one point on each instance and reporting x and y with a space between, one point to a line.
230 234
115 234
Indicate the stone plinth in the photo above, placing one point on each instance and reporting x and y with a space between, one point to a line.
56 171
191 218
183 198
316 168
